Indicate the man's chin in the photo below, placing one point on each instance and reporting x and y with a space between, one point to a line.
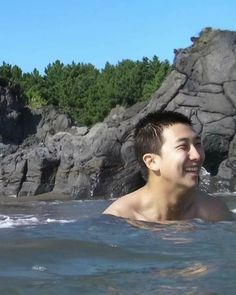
191 183
193 177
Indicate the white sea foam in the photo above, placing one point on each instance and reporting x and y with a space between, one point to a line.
51 220
27 220
39 268
8 222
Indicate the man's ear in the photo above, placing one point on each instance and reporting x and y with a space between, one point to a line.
152 161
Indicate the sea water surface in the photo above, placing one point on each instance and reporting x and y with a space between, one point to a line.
70 248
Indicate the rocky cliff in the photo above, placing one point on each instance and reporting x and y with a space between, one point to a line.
41 151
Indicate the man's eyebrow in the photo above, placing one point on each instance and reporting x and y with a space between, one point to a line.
182 139
196 138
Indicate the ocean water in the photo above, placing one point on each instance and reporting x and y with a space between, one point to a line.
70 248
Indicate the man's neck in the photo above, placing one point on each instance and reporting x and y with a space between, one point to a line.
167 203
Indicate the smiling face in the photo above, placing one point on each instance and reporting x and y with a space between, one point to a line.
181 156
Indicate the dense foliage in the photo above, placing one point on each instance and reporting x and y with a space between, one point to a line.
86 93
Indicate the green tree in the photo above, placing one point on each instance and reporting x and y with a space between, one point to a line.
11 73
83 91
161 72
33 86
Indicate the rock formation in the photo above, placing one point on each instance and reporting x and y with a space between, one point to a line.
41 151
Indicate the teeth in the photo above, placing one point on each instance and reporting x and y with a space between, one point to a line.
192 169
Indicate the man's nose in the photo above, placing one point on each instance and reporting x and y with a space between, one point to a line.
194 153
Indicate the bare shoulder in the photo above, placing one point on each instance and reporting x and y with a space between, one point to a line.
213 209
123 206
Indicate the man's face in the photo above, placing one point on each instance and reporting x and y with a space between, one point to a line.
181 156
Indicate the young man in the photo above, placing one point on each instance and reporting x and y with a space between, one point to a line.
172 153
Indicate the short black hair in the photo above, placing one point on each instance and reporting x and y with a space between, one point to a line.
148 132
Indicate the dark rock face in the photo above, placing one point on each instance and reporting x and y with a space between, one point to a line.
10 114
47 153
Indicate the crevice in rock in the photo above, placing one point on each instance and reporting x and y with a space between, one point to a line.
23 178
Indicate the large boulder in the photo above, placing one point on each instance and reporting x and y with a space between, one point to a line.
100 162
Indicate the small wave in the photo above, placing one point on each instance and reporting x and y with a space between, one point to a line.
8 222
28 220
50 220
39 268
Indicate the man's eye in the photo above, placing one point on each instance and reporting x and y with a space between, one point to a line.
183 146
198 144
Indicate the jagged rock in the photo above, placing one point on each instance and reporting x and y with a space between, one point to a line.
49 154
12 173
42 164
